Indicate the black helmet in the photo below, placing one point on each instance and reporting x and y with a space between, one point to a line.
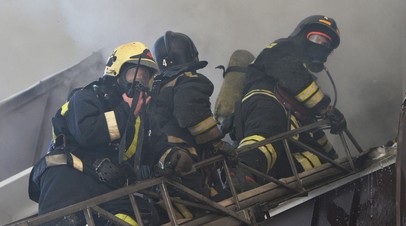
175 53
319 23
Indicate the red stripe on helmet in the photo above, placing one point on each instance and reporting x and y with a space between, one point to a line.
319 33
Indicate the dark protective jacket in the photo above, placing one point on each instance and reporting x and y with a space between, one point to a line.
182 111
95 125
261 114
89 127
281 60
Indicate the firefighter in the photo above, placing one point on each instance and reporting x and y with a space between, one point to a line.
182 111
280 83
84 159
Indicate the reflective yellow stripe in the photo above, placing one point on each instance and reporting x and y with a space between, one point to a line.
133 147
294 125
259 91
53 134
312 158
183 210
213 192
315 99
126 218
303 161
267 149
190 74
307 92
213 134
202 126
64 108
271 45
112 125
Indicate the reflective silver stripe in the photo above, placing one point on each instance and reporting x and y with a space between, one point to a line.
202 126
112 125
323 141
161 162
60 159
176 140
213 134
56 160
77 163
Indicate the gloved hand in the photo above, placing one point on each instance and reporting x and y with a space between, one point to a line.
177 162
140 101
226 149
337 121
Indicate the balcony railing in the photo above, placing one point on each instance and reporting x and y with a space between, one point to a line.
237 208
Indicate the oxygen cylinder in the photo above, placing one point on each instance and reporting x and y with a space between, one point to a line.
233 84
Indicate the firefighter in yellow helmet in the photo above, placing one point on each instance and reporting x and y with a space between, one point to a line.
281 90
86 158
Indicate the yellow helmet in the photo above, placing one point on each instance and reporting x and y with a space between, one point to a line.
130 53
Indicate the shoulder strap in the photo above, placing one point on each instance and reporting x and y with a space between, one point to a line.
232 69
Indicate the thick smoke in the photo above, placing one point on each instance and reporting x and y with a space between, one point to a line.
43 37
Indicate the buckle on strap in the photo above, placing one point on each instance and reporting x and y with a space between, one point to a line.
109 173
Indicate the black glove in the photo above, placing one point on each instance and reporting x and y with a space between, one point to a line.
337 121
226 149
227 124
177 162
332 154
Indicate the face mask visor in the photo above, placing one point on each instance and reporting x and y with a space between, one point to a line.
126 78
320 39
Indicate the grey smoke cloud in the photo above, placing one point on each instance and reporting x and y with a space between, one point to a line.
42 37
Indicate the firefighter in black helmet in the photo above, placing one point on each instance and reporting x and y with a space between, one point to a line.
280 84
182 109
84 159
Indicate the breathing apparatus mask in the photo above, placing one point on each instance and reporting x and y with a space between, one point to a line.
317 48
133 79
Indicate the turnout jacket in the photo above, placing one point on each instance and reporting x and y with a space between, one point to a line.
281 61
182 110
261 114
94 120
87 130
